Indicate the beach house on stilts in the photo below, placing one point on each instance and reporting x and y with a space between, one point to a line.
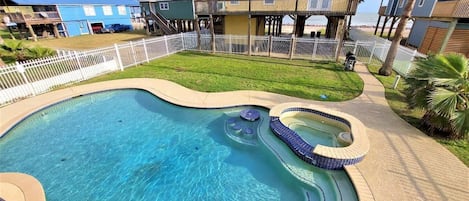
438 25
232 16
236 17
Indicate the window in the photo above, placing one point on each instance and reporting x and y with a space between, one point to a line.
319 4
220 6
269 2
164 6
234 2
121 10
421 2
401 3
89 10
107 10
325 4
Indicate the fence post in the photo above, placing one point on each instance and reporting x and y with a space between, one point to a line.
230 44
119 60
355 47
145 50
315 48
166 44
182 41
292 47
21 70
336 52
79 65
133 52
372 52
270 45
411 61
381 57
396 81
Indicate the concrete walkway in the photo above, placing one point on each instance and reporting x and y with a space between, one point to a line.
403 163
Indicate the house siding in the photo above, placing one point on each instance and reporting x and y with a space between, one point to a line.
425 10
178 10
399 9
76 22
237 25
21 9
418 32
459 42
391 7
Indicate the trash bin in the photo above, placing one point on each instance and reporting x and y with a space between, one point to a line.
350 61
318 34
313 34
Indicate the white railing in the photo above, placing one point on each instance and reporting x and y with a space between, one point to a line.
378 48
29 78
24 79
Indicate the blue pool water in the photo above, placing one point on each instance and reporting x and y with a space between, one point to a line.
130 145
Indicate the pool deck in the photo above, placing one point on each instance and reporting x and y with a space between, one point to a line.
402 163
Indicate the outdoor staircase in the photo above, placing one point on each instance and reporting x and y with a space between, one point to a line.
163 23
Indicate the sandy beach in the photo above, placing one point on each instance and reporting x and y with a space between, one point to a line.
288 28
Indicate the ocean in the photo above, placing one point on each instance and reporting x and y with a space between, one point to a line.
360 19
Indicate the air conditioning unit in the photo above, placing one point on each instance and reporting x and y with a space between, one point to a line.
220 6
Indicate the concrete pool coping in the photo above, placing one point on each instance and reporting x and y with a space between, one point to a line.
402 164
357 149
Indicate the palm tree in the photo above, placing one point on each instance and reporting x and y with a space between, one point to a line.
40 52
386 69
14 48
440 85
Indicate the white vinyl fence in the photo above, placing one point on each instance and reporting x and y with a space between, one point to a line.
24 79
29 78
377 48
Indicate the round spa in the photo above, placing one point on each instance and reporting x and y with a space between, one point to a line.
319 136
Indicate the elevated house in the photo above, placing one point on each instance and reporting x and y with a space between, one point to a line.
439 25
232 16
66 18
168 16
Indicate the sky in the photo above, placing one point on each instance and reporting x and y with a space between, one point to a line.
370 6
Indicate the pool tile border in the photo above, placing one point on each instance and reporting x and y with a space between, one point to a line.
320 155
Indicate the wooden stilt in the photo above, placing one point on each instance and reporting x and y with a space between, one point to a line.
394 19
31 31
384 26
377 25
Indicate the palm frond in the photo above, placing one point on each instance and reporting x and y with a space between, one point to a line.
443 102
461 123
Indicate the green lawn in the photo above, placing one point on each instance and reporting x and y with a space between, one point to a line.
397 101
82 42
222 72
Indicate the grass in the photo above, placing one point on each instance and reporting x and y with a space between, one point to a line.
82 42
397 100
220 72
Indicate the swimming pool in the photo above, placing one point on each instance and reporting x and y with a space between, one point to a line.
130 145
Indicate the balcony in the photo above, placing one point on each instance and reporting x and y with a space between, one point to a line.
451 9
284 7
35 17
